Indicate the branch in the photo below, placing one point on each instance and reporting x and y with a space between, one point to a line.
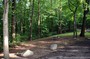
69 6
76 6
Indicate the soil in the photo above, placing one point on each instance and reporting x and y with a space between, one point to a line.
68 48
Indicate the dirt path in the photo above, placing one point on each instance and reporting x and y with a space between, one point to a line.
68 48
77 50
71 52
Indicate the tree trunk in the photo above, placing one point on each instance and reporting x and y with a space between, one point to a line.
69 26
39 30
30 37
60 19
5 30
74 13
22 22
75 26
60 24
13 19
82 34
21 26
51 29
60 28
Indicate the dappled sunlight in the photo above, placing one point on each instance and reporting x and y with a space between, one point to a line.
43 47
11 55
44 42
21 48
77 47
36 28
60 47
73 50
24 46
30 45
49 42
1 55
58 42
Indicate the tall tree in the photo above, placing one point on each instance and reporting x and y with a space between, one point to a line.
86 10
74 10
5 30
31 18
51 17
13 19
60 21
39 21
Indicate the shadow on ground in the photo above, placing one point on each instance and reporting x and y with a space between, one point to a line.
82 43
78 50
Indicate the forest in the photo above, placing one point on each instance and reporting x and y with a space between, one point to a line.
28 20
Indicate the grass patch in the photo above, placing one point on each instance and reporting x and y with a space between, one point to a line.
70 34
87 34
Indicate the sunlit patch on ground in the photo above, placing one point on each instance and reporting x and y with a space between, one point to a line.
11 55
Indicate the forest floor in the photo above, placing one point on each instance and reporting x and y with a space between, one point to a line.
68 48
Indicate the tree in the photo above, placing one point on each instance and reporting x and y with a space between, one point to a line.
13 19
5 30
39 21
74 10
51 16
31 18
86 10
60 21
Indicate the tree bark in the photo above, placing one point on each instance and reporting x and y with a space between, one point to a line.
75 26
39 22
74 16
69 27
13 19
30 37
82 34
60 23
60 19
5 30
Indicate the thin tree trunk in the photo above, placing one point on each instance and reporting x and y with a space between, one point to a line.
69 26
21 20
24 22
51 18
39 30
31 20
21 26
60 24
74 13
59 28
13 19
60 18
75 26
5 30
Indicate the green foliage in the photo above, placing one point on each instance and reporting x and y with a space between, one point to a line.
49 16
